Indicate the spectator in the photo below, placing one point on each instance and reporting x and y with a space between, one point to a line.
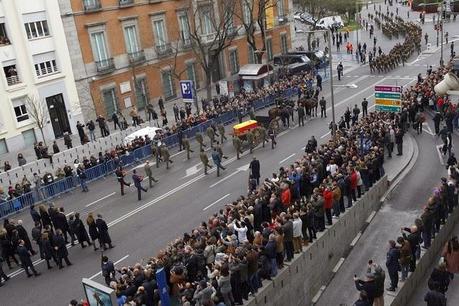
21 160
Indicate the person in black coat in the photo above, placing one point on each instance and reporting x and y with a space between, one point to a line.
93 231
393 265
440 278
34 214
77 227
414 238
60 246
435 298
26 261
103 233
7 250
22 233
45 218
255 169
60 222
368 285
363 299
48 251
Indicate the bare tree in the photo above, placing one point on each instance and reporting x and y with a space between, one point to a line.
212 30
38 111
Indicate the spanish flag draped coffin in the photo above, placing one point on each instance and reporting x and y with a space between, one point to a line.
242 128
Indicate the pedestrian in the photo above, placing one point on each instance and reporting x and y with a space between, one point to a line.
399 141
103 126
161 104
67 140
204 160
120 175
80 129
368 286
437 118
149 174
108 269
255 169
103 233
55 148
38 187
393 265
216 158
435 298
137 179
186 145
93 231
340 70
301 114
91 128
319 81
116 122
365 107
62 223
81 172
2 273
175 109
451 255
323 108
61 249
25 258
80 231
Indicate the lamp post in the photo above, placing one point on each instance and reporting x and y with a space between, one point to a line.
441 32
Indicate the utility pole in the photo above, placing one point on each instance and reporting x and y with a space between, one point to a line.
441 31
333 131
357 20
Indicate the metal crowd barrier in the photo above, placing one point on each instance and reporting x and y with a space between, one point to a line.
58 187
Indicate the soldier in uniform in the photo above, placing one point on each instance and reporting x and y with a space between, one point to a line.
221 131
156 151
211 134
149 173
200 140
250 140
263 135
186 145
204 160
166 155
237 143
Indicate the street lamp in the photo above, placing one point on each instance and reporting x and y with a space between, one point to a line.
440 22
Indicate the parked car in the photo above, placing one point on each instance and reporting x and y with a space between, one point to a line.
330 22
317 57
304 17
293 63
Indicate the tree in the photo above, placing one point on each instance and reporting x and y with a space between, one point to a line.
38 110
211 33
252 15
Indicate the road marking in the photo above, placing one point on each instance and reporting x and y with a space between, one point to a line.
440 156
222 198
115 263
325 135
101 199
288 157
356 238
428 130
338 265
240 169
72 212
192 170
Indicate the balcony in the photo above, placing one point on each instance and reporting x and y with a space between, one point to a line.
105 66
13 80
4 40
126 3
91 5
136 57
11 75
231 32
163 50
282 19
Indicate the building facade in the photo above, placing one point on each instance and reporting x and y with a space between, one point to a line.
35 67
131 52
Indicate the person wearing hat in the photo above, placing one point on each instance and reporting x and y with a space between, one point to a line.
149 173
137 179
104 237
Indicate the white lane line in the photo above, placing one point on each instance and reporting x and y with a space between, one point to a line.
222 198
440 156
225 178
101 199
116 262
325 135
338 265
356 238
72 212
288 157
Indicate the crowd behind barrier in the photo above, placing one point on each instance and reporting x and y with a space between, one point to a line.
12 204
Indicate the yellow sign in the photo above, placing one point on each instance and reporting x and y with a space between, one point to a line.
387 102
269 14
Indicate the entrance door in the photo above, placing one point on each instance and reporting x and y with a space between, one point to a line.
217 68
58 115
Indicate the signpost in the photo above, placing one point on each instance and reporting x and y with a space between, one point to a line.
388 98
189 93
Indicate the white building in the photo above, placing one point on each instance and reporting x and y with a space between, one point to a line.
35 62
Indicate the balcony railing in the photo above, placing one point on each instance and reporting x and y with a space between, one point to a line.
125 3
12 80
91 5
136 57
105 66
164 49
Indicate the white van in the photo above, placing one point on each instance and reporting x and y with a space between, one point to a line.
330 22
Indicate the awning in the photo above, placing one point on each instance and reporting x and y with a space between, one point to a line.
255 70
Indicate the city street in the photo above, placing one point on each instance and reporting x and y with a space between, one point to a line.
184 196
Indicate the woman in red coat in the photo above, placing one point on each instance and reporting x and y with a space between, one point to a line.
286 195
328 204
354 178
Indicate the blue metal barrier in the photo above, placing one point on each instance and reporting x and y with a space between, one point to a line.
66 184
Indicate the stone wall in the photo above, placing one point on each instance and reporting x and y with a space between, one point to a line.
302 279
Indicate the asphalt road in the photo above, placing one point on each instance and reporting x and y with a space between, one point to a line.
184 196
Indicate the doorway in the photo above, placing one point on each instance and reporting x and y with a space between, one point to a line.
217 67
58 115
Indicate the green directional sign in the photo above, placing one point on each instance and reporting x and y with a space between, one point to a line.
386 108
385 95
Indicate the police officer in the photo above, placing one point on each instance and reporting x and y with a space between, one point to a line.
237 144
156 152
200 140
166 155
204 160
221 131
323 108
365 107
186 145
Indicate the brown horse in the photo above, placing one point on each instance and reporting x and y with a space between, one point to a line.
274 112
310 104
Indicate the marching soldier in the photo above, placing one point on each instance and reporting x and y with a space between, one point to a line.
219 149
166 155
221 131
263 134
186 145
237 143
272 135
149 173
200 140
250 140
156 152
204 160
211 134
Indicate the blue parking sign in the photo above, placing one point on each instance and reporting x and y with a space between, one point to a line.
186 87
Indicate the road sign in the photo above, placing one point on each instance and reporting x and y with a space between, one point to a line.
186 87
388 98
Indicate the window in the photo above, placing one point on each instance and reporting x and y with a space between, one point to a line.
168 85
45 68
191 74
247 14
11 74
251 55
269 49
234 61
3 146
284 43
130 36
3 35
280 8
91 5
20 110
29 137
207 19
160 33
184 29
109 97
99 46
37 29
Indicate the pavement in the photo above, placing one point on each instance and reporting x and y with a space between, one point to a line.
185 196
